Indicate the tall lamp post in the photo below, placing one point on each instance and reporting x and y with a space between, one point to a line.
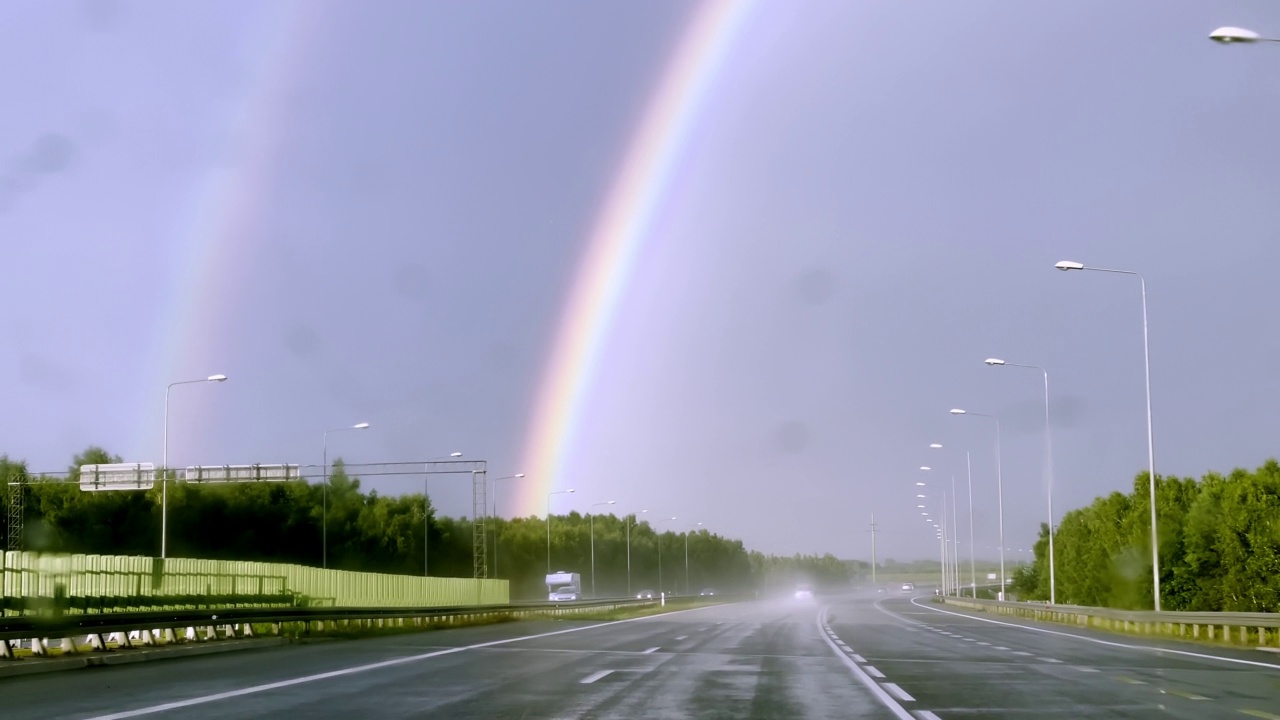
426 514
973 575
1151 451
164 464
324 494
632 520
495 518
999 489
1048 465
555 492
593 543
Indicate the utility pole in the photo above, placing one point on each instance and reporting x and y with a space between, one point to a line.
873 548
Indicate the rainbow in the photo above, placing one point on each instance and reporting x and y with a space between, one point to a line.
625 219
214 229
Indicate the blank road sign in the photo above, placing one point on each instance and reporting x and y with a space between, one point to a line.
118 476
241 473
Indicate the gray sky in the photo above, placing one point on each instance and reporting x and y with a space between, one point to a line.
371 212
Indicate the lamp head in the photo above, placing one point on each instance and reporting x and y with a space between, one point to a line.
993 361
1069 265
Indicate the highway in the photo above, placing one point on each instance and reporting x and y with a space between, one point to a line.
867 656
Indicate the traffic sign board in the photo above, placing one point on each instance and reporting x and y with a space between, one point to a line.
241 473
118 476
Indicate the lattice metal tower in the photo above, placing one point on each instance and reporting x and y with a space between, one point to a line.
479 510
15 515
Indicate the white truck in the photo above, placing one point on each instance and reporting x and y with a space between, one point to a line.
564 586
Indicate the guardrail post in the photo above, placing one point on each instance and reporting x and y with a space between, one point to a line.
6 651
169 636
69 646
1262 637
96 641
122 640
39 648
147 638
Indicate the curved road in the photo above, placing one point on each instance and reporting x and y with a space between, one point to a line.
868 656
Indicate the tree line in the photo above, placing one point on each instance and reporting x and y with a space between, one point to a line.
283 522
1218 540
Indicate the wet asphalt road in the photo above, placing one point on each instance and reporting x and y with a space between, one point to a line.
871 656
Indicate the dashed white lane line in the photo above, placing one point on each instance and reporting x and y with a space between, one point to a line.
984 643
595 676
999 647
968 640
879 692
872 671
858 658
1022 653
1086 669
899 692
683 637
926 715
1049 660
651 650
394 662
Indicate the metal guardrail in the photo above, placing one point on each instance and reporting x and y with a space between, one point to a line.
1244 628
101 629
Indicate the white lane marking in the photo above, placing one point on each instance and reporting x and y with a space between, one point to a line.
1110 643
968 640
1087 669
683 637
1022 653
650 650
984 643
899 692
1050 660
873 672
858 658
204 699
594 676
926 715
893 705
999 647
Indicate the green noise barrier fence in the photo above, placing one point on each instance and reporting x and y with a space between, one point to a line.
104 583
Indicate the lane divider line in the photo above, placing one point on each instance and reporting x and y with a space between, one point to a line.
1185 694
858 658
253 689
873 671
595 676
1260 713
651 650
1109 643
885 699
899 692
926 715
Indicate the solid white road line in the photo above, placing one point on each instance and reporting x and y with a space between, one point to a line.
594 676
1109 643
899 692
651 650
873 672
204 699
893 705
683 637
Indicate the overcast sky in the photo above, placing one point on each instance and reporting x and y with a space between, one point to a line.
372 212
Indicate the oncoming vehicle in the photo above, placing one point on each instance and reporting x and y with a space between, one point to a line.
707 593
644 595
908 587
804 593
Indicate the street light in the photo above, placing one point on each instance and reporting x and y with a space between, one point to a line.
495 517
999 489
1151 451
631 521
592 517
973 576
324 494
555 492
164 464
1048 465
426 513
1228 35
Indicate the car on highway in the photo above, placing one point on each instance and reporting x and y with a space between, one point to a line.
908 587
707 593
804 592
644 595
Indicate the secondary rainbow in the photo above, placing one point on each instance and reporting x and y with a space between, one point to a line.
215 229
630 209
